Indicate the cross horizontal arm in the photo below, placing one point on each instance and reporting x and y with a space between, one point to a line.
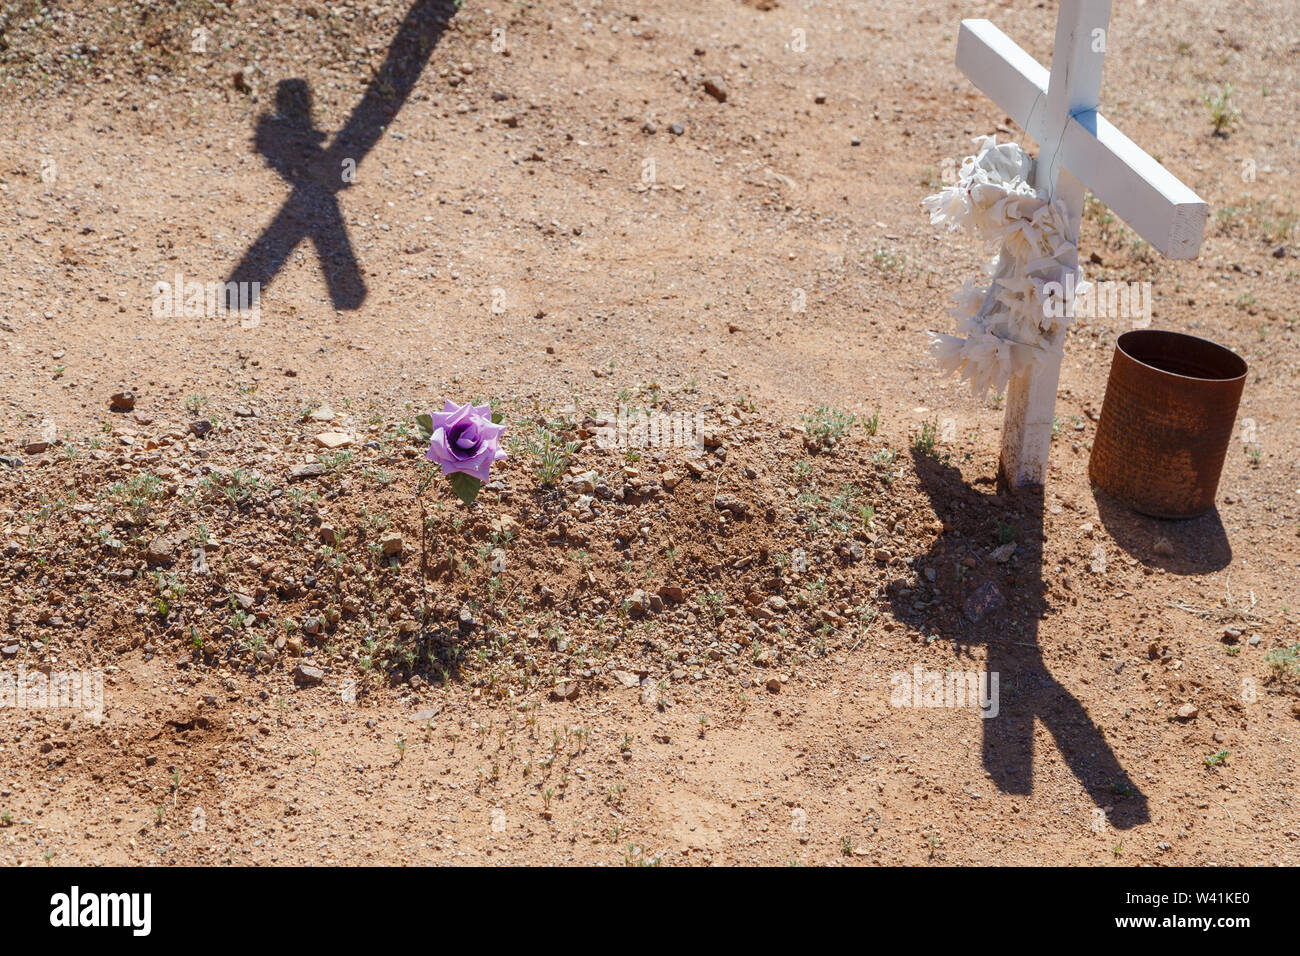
1154 202
1003 71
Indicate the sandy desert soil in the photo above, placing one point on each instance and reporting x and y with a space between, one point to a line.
676 655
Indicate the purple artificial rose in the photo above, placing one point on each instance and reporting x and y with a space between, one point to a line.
465 441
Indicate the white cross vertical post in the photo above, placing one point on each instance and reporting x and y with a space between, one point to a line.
1078 150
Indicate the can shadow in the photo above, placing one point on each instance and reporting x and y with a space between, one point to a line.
1186 546
1001 605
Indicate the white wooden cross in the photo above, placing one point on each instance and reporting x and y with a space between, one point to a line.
1078 149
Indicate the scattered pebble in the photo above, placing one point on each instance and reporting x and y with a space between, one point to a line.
307 675
391 544
333 440
985 600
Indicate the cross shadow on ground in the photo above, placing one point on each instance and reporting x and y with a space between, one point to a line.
291 145
1001 606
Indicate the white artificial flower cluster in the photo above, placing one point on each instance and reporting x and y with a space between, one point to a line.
1016 319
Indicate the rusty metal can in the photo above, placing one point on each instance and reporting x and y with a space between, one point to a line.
1166 422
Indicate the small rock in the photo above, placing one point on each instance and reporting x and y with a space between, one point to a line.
714 86
728 502
322 414
984 601
1279 252
672 593
677 129
307 675
638 603
160 551
200 428
334 440
34 446
1002 554
649 128
497 820
565 690
328 534
626 678
312 470
122 401
774 684
1187 712
391 544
